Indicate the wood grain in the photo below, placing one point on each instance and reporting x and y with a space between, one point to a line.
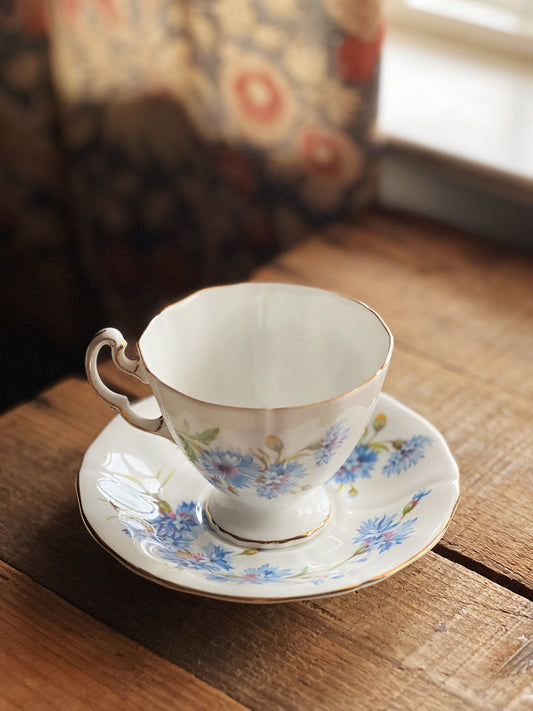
55 657
435 636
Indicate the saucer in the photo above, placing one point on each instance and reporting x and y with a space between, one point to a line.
392 500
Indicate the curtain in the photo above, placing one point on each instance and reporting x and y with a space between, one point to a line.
150 147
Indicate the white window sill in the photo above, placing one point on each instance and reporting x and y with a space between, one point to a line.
463 103
463 115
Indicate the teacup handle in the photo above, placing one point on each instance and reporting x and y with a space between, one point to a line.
113 338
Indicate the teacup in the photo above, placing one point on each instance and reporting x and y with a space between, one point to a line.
266 388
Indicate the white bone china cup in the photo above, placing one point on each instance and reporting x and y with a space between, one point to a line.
266 388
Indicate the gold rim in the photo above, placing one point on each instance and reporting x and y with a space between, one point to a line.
279 542
378 372
262 600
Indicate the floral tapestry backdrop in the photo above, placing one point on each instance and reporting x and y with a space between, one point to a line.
182 142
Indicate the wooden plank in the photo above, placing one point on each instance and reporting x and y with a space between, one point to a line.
464 303
55 657
436 636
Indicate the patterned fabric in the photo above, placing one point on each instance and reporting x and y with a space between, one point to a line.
149 148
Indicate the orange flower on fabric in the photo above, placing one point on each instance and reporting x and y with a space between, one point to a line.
258 101
356 60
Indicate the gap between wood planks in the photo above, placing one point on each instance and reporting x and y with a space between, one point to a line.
475 566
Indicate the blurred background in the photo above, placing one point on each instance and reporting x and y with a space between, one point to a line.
148 149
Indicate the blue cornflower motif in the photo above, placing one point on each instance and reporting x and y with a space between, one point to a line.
229 467
171 555
212 558
359 465
179 527
414 501
383 532
420 494
331 442
279 478
265 574
410 452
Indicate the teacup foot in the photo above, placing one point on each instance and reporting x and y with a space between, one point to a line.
256 526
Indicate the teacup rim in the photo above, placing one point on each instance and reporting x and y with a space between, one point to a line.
383 367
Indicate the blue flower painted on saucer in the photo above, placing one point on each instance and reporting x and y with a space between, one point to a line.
181 537
212 558
154 517
382 532
406 454
177 526
265 573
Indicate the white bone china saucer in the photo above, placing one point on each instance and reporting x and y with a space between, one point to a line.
392 500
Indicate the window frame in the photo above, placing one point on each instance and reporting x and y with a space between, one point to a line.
469 22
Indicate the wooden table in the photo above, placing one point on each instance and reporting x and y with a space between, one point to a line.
452 631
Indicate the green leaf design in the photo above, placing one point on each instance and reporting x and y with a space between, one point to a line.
407 509
164 506
296 457
378 446
190 453
168 478
360 551
207 436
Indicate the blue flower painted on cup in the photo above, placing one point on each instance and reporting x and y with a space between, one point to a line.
279 478
359 465
406 454
268 469
331 443
382 532
229 468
